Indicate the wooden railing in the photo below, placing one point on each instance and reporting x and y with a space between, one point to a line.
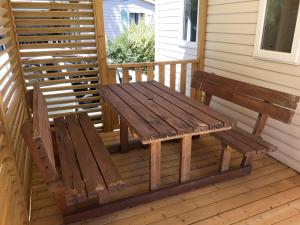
14 158
175 74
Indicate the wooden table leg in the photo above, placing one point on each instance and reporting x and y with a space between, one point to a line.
225 158
155 157
124 141
185 159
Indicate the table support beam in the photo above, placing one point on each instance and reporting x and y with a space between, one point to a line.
155 157
185 159
124 135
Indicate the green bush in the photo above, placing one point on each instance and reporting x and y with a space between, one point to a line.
136 44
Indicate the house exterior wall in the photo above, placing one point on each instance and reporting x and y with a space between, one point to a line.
112 14
231 28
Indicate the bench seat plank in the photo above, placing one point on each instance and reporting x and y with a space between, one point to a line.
91 175
73 183
109 171
243 141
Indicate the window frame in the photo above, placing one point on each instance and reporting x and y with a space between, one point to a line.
182 42
290 58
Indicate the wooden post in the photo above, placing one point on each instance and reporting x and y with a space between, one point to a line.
155 157
102 63
185 159
201 37
225 158
247 159
124 141
173 76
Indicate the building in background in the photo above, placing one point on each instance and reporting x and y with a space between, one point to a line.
120 13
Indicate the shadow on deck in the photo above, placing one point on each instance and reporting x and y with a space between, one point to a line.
271 194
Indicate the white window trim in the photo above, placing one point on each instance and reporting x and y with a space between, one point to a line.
290 58
183 43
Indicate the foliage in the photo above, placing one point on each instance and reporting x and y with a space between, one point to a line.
136 44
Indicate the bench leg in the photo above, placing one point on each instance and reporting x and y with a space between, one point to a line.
185 159
124 141
225 158
247 159
155 157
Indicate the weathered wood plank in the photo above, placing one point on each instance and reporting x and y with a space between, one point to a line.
109 171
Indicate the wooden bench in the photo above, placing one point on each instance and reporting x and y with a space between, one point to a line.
84 172
266 102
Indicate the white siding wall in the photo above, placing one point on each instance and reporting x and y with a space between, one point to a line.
231 26
112 14
168 44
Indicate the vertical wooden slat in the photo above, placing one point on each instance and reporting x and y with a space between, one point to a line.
183 79
155 158
125 72
150 73
138 73
162 74
193 90
172 76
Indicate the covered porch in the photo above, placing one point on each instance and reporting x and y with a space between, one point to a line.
60 46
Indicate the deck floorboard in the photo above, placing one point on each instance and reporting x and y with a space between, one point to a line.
269 195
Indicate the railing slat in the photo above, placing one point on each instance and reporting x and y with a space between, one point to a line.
193 90
125 78
172 76
183 79
162 74
150 74
138 73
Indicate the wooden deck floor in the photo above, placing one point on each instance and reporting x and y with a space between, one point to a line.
270 195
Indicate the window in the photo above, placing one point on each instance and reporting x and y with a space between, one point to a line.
278 31
190 15
136 17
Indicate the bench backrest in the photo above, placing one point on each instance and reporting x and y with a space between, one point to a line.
267 102
38 136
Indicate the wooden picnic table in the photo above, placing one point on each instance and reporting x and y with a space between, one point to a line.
155 113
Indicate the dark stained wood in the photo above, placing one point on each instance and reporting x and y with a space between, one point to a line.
260 124
185 159
138 124
269 95
252 138
155 195
109 171
74 185
205 109
204 117
195 123
253 97
124 141
92 178
179 125
158 124
155 164
235 143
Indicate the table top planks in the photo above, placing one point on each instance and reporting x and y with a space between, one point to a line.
155 112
